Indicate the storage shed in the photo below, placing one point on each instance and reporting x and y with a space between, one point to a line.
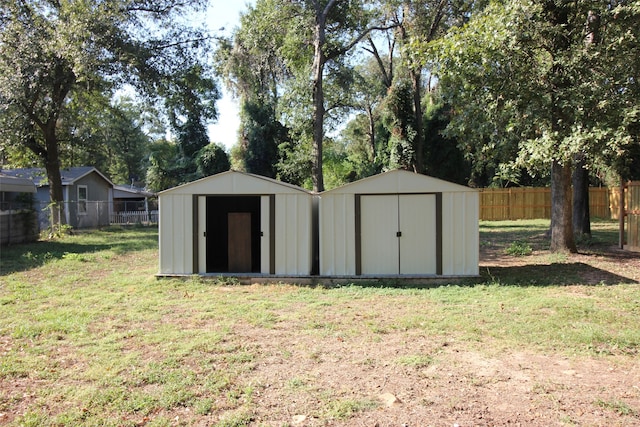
236 222
399 223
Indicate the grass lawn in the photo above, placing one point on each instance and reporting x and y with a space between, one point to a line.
89 336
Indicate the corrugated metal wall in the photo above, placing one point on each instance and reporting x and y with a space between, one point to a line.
176 234
439 229
460 236
286 248
293 234
337 235
438 222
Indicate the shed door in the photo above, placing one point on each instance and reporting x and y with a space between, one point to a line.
418 240
229 234
379 242
398 234
239 241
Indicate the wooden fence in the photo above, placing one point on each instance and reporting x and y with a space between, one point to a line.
498 204
632 199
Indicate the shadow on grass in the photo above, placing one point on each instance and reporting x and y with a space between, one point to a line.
576 273
23 257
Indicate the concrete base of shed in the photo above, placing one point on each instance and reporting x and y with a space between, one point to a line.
329 281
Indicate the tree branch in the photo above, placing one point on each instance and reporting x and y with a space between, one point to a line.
357 40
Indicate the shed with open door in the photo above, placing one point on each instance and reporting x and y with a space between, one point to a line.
235 222
399 223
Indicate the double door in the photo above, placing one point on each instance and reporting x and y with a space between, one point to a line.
398 234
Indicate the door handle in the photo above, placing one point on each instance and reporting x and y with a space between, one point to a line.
399 234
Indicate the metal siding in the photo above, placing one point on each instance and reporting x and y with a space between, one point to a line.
453 239
472 244
337 235
266 235
187 233
293 234
460 228
202 240
181 243
304 235
418 240
163 258
379 241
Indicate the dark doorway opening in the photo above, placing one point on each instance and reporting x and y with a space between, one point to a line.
233 234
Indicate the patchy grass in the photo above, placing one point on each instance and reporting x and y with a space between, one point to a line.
88 336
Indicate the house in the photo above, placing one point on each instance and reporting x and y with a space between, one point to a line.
237 223
88 195
133 205
399 223
17 215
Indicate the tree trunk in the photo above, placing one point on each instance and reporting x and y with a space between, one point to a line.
319 60
581 217
561 221
52 167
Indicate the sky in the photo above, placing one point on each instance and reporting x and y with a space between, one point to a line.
226 13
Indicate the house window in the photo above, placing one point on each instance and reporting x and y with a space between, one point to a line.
82 199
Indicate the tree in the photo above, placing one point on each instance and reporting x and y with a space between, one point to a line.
254 70
519 76
212 159
52 51
306 41
106 133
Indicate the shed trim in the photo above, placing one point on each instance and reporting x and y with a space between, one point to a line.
195 233
272 233
439 234
358 236
234 172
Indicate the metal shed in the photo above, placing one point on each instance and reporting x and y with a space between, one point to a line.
399 223
235 222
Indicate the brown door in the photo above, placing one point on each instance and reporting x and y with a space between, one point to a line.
239 241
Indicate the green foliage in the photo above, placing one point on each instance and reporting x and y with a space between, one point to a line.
519 248
399 122
262 135
212 159
525 88
57 59
159 173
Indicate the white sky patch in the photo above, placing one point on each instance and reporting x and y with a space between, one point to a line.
225 14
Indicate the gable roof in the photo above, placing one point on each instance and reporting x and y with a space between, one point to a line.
69 175
10 183
235 182
399 181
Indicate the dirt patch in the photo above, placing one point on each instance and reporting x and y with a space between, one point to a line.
458 387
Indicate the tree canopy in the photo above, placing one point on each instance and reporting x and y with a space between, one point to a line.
527 85
51 52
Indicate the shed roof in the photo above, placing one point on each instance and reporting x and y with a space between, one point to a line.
234 182
399 181
69 175
18 185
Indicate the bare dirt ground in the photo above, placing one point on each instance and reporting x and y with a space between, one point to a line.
459 386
